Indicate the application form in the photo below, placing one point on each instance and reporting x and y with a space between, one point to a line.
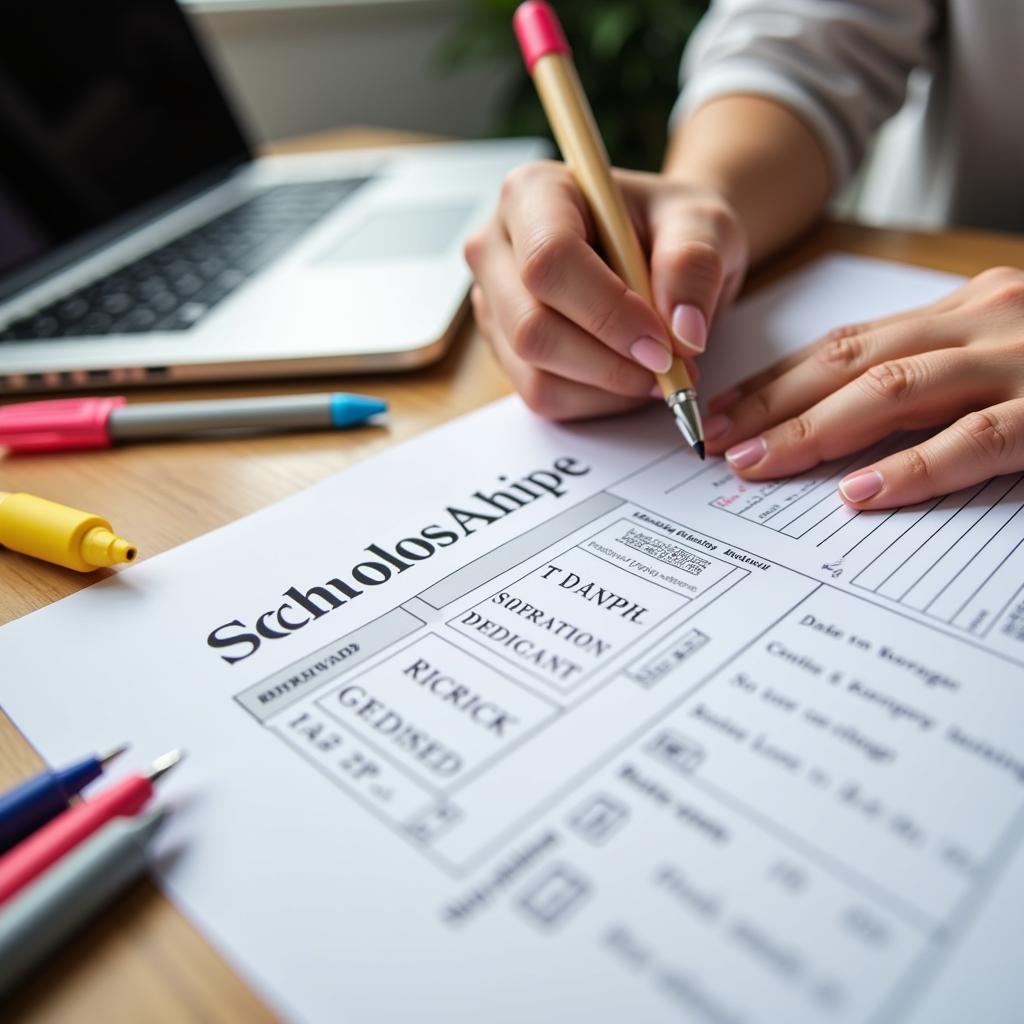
525 721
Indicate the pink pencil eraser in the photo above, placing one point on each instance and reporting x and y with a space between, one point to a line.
58 424
539 31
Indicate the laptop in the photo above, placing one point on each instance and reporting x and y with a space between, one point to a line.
142 242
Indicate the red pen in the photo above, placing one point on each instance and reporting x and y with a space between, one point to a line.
31 857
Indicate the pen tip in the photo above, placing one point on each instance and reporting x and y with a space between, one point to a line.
163 764
112 755
698 447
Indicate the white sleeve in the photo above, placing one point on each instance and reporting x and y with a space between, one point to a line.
842 65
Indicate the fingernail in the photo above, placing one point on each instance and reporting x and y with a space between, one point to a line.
651 355
743 456
861 486
726 400
656 391
690 327
716 427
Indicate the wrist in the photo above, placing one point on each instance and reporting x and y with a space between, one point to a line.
701 169
761 159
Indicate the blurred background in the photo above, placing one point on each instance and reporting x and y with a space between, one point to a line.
451 67
444 66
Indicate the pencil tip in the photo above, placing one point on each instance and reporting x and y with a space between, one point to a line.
163 764
698 447
112 755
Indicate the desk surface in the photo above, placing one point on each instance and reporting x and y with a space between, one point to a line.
143 960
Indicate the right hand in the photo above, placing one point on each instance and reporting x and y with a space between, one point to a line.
573 339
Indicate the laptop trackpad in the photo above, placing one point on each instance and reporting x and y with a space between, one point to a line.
399 233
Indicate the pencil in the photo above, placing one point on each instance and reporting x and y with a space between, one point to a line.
549 61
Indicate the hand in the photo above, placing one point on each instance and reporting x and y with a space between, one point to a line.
962 356
574 340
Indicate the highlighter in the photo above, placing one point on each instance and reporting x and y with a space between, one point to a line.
60 534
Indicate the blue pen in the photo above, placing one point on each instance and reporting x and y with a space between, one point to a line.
33 803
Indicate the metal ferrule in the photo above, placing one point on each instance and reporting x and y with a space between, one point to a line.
683 404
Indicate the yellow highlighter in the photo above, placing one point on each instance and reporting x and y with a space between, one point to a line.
60 534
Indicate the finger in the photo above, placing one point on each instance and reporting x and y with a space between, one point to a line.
694 261
825 370
899 395
544 393
555 397
724 401
548 231
836 340
546 340
978 446
482 316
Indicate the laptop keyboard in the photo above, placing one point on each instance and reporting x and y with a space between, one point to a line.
174 287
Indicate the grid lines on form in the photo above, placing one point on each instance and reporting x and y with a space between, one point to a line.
957 559
803 507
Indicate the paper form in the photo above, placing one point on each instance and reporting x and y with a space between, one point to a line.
520 721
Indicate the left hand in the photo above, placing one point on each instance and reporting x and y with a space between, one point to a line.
960 359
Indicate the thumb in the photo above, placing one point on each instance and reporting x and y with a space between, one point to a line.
688 274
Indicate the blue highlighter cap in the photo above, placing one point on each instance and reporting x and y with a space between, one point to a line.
348 410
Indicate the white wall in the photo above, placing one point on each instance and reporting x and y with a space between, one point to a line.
297 67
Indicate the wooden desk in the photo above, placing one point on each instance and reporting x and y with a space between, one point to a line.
142 960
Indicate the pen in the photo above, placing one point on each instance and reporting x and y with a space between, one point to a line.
56 905
549 61
62 423
31 857
60 534
37 800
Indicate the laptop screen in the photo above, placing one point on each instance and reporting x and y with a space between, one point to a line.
105 106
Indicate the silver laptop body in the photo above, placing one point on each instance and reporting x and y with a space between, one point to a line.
117 269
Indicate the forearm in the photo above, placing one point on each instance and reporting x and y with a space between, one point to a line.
762 158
